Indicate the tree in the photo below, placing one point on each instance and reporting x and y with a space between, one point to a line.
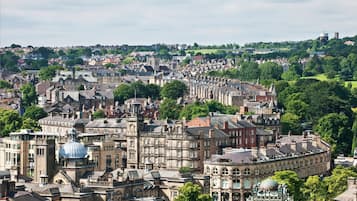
99 114
194 110
249 71
298 108
5 85
123 92
192 192
153 91
29 96
34 113
109 65
169 109
291 122
291 179
28 123
174 90
354 133
9 121
270 71
8 61
314 189
289 75
47 73
337 182
335 129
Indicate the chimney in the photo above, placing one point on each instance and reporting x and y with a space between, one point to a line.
293 146
276 134
254 152
304 144
201 134
225 126
14 173
262 150
211 133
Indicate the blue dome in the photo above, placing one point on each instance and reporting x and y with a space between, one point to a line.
73 150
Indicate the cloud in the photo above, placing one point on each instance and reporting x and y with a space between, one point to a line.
68 22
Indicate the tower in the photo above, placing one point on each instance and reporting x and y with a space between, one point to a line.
134 125
44 158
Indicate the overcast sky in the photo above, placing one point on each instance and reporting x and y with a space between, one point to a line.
115 22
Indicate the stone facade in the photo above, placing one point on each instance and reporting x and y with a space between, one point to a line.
233 174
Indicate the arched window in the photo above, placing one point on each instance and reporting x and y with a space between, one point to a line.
215 170
225 171
246 171
236 172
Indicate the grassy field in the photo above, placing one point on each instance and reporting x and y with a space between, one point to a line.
203 51
323 77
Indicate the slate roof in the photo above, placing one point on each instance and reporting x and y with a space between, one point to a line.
107 123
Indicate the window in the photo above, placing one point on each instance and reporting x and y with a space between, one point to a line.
207 170
236 172
215 171
108 161
246 171
131 155
236 183
225 171
246 183
215 196
225 184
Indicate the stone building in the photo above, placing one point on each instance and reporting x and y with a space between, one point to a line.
61 125
169 144
242 133
29 152
234 173
228 91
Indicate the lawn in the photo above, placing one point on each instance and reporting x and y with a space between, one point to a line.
203 51
322 77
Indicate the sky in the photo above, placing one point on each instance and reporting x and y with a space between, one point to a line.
144 22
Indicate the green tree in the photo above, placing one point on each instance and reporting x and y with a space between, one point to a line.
169 109
28 123
35 113
99 114
297 107
270 71
123 92
109 65
174 90
337 182
293 182
5 85
289 75
153 91
314 189
335 129
249 71
9 121
192 192
194 110
291 122
354 133
29 96
47 73
8 61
